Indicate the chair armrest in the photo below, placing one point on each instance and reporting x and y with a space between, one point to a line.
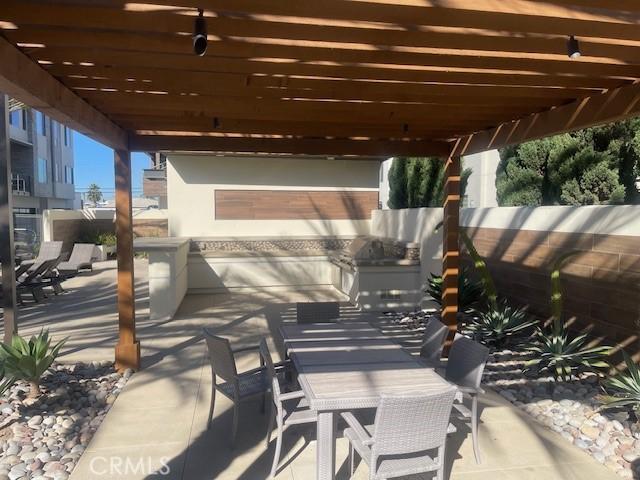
470 390
359 430
292 395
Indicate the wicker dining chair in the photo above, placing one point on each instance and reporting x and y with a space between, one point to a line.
465 367
408 436
237 387
317 312
291 408
433 342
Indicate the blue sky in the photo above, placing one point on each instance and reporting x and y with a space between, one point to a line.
94 164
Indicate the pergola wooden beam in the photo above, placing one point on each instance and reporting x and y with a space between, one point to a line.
302 146
26 81
515 16
612 106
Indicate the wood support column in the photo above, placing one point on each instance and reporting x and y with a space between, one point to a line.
7 252
128 348
451 248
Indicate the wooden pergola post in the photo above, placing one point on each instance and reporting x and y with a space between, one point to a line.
128 348
451 247
7 252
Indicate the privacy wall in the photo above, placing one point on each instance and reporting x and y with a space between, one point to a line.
601 283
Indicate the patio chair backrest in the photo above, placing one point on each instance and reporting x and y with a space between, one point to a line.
271 370
49 250
411 423
82 253
317 312
466 362
433 340
221 357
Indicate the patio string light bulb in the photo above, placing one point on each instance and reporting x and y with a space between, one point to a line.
573 47
200 34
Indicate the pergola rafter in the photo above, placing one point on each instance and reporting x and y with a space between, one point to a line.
337 77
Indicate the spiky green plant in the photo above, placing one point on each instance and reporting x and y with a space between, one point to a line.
563 357
555 351
500 325
470 291
28 361
481 267
623 389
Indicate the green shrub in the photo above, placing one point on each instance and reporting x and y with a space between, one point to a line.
470 291
623 389
106 239
500 325
28 361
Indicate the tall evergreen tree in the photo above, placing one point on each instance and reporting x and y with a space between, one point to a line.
597 165
398 184
423 184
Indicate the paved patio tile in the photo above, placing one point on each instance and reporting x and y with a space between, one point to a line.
161 414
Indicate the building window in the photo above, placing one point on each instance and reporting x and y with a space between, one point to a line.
14 118
68 174
55 133
42 170
41 123
66 136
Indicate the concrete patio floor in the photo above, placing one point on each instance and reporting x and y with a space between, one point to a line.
160 417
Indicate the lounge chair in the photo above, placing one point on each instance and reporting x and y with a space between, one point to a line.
35 280
48 251
80 260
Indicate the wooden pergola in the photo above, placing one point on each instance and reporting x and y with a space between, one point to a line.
308 77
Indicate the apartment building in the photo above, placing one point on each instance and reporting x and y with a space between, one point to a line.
42 165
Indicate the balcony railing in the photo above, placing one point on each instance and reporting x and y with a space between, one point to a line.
21 184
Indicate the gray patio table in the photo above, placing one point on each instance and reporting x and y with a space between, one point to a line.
347 366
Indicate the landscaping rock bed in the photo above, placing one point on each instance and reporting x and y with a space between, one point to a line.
569 408
44 438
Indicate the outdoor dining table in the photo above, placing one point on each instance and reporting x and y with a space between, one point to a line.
347 366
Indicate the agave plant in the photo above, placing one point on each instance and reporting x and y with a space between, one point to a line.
500 324
623 389
563 357
555 351
28 361
470 292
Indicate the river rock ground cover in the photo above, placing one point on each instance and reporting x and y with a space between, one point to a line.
44 438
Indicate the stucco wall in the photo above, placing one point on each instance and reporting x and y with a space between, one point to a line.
192 181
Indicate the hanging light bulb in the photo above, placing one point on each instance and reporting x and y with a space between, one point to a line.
573 47
200 34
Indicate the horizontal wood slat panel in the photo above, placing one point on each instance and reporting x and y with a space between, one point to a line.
294 205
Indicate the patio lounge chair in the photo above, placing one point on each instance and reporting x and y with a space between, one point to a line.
408 436
465 366
80 260
432 343
291 407
35 280
237 387
48 251
317 312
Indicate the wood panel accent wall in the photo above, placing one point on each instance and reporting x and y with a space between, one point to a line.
294 205
601 284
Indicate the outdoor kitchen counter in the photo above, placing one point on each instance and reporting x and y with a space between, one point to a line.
167 273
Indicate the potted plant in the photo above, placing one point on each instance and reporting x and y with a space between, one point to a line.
105 245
